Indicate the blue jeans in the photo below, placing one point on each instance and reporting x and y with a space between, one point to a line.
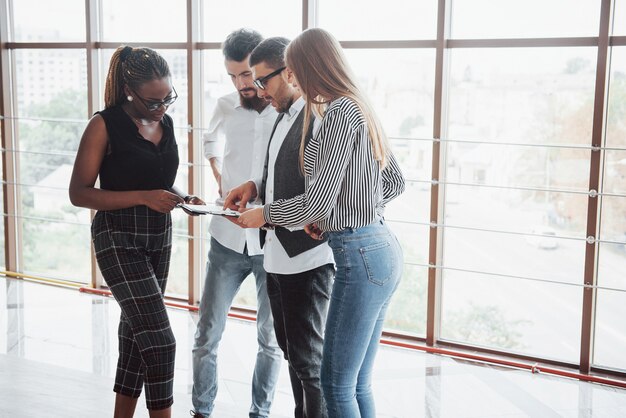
226 270
369 266
300 304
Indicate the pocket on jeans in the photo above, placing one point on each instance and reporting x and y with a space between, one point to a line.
378 262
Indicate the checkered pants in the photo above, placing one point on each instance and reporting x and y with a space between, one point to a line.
133 248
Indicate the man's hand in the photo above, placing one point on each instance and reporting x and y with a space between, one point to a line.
252 218
314 231
238 197
218 179
215 167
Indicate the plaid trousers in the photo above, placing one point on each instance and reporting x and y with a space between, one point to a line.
133 248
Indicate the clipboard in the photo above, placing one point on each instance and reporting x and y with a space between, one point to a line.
208 210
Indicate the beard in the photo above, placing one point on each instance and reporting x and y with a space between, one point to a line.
284 105
253 103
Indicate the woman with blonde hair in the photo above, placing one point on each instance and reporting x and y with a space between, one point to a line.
350 175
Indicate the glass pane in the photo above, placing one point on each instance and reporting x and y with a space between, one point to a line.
52 96
613 220
619 18
544 256
609 336
367 20
400 86
144 20
2 243
529 19
407 310
51 83
609 341
609 332
415 159
47 245
178 278
270 18
615 163
528 95
49 21
518 166
615 171
527 317
246 297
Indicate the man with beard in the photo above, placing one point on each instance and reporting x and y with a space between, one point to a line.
299 268
245 121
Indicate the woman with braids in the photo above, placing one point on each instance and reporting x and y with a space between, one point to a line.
130 146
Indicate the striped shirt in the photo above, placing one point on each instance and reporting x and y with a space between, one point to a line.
345 187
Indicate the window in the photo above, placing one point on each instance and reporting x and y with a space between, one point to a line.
144 21
515 124
612 253
367 20
530 19
57 21
49 130
270 18
515 208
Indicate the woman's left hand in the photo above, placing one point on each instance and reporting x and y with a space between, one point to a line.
252 218
194 200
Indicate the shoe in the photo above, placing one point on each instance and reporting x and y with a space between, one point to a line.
195 414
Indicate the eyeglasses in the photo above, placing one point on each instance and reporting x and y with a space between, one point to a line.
154 105
260 82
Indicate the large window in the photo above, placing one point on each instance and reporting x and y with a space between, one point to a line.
516 203
51 94
270 18
58 21
476 19
144 20
359 20
500 119
610 340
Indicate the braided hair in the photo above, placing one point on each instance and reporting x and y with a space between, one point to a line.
132 67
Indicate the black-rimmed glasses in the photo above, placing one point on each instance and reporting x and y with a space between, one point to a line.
154 105
260 82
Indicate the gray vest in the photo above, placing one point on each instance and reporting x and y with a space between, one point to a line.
289 182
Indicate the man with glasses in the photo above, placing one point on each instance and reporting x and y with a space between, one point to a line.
245 121
300 269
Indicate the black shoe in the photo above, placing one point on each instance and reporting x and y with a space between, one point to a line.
195 414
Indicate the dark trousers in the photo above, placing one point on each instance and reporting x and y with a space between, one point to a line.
133 248
299 305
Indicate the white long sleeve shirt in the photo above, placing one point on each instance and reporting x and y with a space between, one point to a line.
276 259
246 134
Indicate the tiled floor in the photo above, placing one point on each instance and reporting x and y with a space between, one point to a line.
58 352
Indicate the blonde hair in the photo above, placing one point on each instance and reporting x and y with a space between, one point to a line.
132 67
323 74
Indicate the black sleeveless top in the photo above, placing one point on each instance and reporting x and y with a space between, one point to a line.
132 162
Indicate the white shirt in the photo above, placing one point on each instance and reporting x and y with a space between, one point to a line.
276 259
246 133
